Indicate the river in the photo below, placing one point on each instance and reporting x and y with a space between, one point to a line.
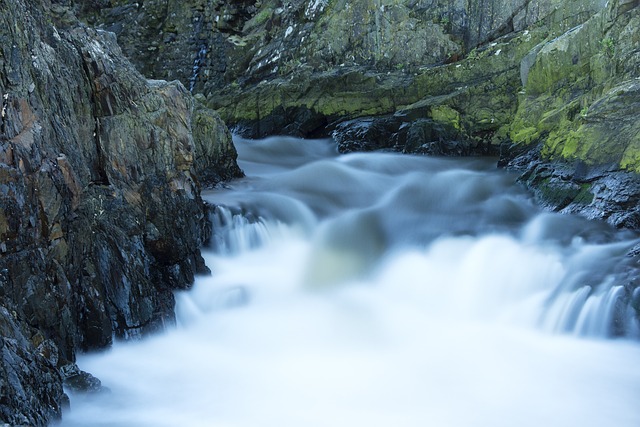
378 289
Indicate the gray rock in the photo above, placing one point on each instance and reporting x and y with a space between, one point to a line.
100 210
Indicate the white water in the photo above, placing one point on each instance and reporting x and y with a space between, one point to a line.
384 290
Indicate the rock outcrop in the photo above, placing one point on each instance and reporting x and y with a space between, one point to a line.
100 209
578 108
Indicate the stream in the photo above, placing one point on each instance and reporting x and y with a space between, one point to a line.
379 289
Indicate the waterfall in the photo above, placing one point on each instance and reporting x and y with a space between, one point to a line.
235 232
197 64
380 289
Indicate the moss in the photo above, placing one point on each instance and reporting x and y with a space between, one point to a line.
501 135
608 46
561 193
584 196
446 116
525 135
561 143
631 156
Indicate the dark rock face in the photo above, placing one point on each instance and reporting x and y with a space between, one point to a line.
399 133
30 385
100 209
172 39
602 192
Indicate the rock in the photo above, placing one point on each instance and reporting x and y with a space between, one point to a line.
79 381
209 44
101 217
215 154
437 136
558 73
30 387
303 67
579 109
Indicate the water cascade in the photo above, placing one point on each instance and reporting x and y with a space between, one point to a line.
197 64
380 289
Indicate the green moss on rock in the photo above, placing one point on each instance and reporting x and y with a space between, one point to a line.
582 95
446 116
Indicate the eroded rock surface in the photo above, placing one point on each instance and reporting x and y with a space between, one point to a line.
100 209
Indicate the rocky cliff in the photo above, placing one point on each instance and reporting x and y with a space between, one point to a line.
100 209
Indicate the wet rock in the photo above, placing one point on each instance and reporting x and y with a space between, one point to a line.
367 134
398 133
215 154
79 381
563 74
601 192
30 387
101 217
582 92
575 127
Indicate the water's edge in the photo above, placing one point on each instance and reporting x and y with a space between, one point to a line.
377 288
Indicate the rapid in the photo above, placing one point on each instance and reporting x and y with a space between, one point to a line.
379 289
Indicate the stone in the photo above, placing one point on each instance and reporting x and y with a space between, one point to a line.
101 217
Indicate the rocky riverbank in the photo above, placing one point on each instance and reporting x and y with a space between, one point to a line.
435 77
100 209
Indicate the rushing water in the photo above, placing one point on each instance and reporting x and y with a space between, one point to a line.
385 290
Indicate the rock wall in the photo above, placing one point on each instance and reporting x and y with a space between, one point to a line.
558 78
206 43
578 108
436 77
100 209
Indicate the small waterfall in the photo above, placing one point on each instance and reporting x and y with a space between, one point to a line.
235 231
197 64
602 314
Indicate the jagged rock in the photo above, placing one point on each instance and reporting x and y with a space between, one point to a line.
560 73
79 381
207 43
601 192
30 387
581 94
100 209
438 136
215 162
578 114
